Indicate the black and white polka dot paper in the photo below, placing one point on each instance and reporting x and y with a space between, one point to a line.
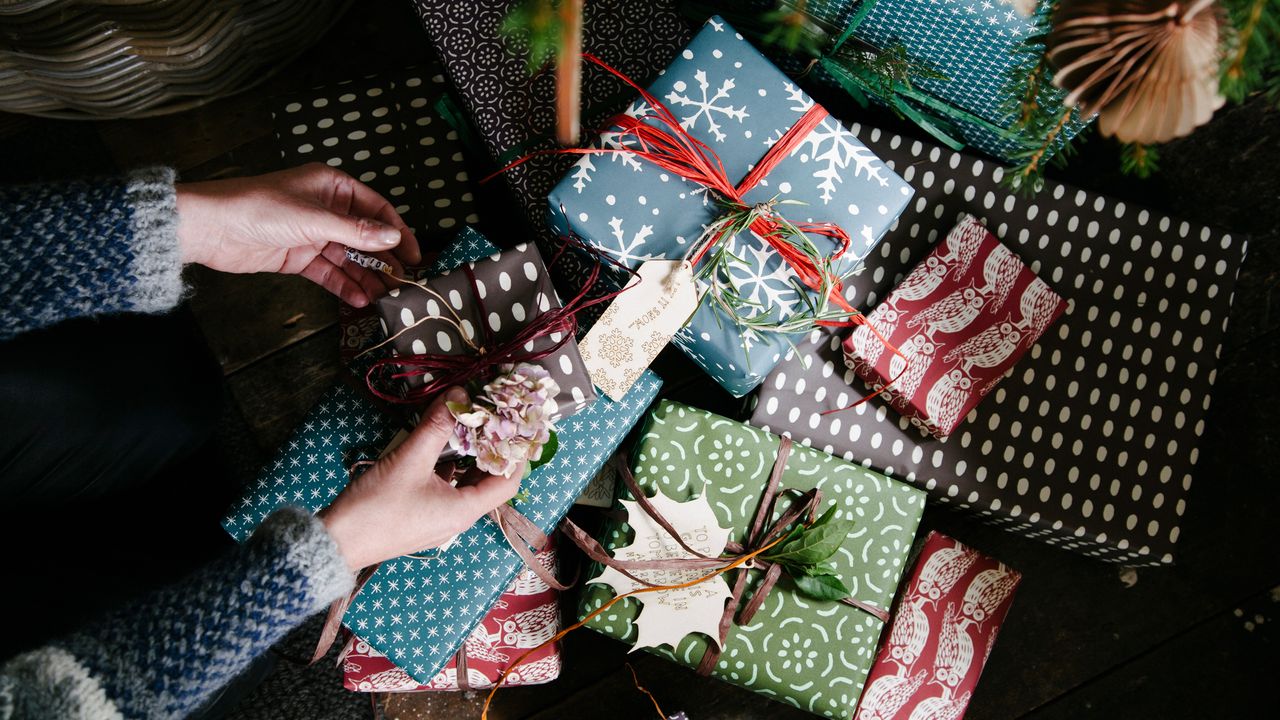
510 290
1089 443
384 131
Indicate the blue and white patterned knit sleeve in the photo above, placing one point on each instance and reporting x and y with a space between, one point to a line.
85 247
165 655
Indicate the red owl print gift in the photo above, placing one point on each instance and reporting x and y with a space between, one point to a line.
526 615
958 321
943 628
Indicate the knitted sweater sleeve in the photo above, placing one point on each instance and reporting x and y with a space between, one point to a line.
164 656
78 248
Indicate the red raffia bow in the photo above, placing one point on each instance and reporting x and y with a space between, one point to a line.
671 147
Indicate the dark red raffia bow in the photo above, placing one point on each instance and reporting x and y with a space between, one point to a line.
672 148
442 371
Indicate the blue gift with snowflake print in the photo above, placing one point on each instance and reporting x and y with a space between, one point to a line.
728 96
418 610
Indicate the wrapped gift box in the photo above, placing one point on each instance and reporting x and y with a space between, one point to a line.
526 615
731 98
680 450
976 46
958 322
416 611
514 111
489 300
943 629
1090 444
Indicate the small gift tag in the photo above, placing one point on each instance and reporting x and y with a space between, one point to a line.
638 325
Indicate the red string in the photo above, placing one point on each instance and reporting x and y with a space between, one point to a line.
672 148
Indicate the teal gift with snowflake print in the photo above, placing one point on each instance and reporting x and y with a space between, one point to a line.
738 105
813 654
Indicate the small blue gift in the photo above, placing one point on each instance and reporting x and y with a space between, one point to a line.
417 610
733 101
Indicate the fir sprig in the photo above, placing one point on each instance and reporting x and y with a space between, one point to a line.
793 29
1036 109
538 24
887 70
1139 159
1251 61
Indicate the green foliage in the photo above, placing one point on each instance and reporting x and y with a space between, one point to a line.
887 70
1035 109
804 552
793 30
548 452
1139 160
1251 57
535 23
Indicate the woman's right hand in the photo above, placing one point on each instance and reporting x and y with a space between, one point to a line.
401 505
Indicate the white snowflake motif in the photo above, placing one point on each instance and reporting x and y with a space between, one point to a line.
583 169
707 105
800 103
626 251
832 147
768 291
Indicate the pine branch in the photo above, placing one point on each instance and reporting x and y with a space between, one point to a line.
1139 160
1251 62
536 23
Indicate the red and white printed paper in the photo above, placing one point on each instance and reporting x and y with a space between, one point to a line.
943 628
959 320
525 616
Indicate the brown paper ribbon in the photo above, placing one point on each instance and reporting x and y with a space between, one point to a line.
761 534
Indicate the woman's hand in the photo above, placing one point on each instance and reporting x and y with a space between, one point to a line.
296 221
401 506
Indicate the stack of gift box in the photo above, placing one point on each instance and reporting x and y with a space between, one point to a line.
1042 363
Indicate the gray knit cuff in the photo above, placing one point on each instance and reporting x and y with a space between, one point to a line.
52 683
312 551
157 257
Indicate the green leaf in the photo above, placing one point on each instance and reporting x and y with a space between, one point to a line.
817 569
548 452
820 587
817 543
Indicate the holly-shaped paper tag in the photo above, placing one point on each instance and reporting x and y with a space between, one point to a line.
668 615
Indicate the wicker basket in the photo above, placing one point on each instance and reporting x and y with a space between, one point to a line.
136 58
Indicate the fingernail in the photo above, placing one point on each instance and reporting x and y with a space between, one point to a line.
456 394
389 235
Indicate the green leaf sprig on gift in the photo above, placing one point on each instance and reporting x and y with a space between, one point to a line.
804 552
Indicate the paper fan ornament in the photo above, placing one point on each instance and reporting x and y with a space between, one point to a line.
1149 68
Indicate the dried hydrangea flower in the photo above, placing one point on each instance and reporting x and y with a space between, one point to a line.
507 423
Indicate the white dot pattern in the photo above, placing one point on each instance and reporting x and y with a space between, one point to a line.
500 315
384 131
1089 442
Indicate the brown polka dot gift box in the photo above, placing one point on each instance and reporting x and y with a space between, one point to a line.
482 307
1089 442
946 335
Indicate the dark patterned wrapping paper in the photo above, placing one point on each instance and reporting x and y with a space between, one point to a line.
1090 443
515 113
510 290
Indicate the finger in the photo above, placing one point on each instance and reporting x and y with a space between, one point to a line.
330 277
349 196
427 440
369 280
489 492
362 233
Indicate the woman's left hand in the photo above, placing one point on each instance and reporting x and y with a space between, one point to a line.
298 221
